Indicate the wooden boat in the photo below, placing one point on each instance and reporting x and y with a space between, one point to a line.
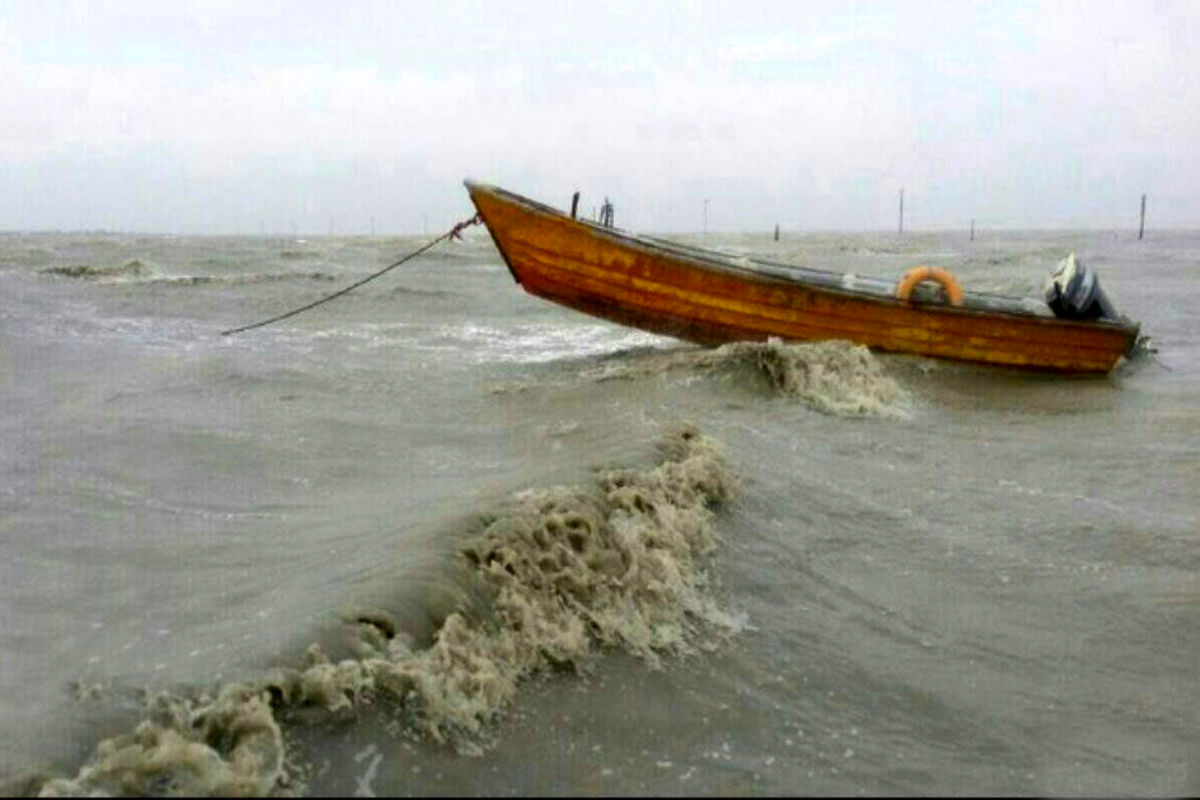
711 298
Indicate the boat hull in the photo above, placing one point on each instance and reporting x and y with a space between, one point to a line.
710 300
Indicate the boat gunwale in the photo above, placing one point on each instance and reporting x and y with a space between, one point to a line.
717 262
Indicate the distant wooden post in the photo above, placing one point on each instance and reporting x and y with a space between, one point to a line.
606 213
1142 224
777 231
574 204
972 229
901 229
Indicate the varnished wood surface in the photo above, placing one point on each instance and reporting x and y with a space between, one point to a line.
635 282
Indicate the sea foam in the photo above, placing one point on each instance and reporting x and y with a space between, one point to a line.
833 377
563 573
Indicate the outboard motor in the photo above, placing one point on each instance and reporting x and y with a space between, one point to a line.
1073 292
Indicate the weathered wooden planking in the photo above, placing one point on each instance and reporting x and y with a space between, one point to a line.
712 300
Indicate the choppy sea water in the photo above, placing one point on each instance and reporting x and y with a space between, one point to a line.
541 554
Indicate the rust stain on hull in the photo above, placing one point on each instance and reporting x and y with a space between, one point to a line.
711 301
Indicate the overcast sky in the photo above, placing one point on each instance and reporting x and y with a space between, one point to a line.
226 117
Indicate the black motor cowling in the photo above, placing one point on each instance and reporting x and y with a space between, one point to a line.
1073 292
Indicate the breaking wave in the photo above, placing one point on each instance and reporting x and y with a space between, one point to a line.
129 271
139 272
833 377
241 280
556 576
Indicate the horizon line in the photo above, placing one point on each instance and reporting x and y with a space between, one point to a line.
768 231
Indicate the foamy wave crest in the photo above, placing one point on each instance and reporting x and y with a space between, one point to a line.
140 272
833 377
129 271
239 280
561 573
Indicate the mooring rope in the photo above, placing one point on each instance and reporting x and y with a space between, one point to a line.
453 233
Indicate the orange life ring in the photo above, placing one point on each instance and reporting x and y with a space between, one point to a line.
918 275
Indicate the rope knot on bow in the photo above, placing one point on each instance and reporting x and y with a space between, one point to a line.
456 231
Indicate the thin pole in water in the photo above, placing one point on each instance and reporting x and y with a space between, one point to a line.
777 231
1142 224
972 229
